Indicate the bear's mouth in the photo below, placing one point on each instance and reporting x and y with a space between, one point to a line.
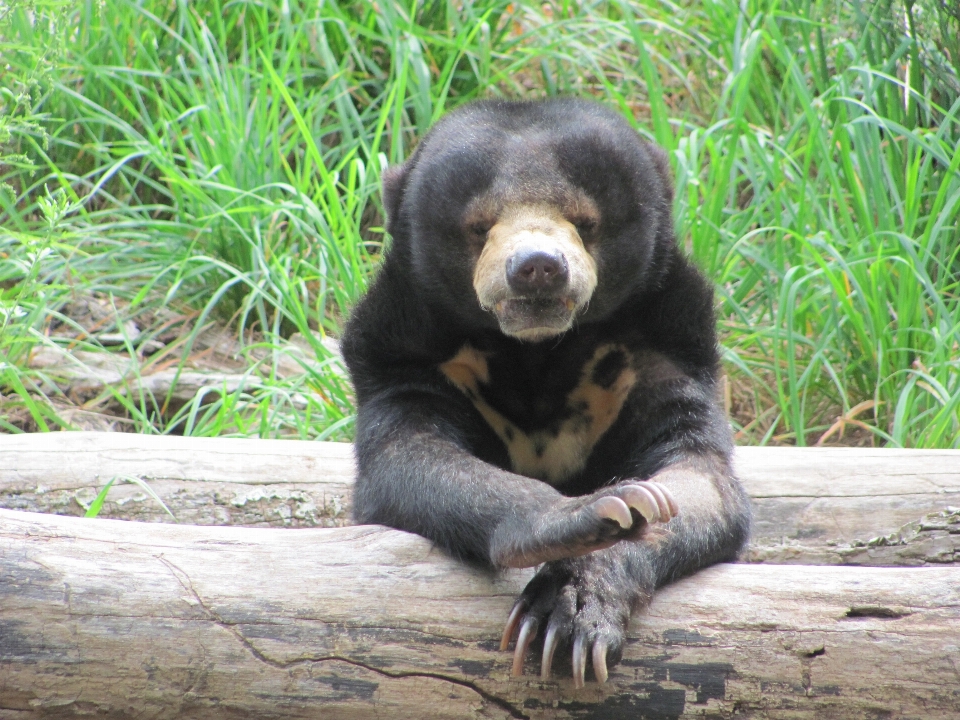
535 318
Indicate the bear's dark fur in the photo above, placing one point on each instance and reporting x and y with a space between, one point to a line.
536 368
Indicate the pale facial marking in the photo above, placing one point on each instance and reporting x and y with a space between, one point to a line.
537 227
553 454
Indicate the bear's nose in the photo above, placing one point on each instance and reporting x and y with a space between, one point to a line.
536 271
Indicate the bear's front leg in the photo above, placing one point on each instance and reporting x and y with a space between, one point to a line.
415 475
576 526
586 602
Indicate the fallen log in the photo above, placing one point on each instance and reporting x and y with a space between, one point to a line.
852 506
812 505
204 481
100 617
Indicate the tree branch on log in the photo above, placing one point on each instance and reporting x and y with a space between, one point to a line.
167 621
812 505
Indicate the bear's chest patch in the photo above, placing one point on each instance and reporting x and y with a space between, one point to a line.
556 448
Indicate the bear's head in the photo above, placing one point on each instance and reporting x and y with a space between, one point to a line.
531 216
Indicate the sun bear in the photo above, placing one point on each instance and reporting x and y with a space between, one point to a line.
536 371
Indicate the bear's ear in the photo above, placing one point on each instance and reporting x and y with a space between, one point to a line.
661 163
394 183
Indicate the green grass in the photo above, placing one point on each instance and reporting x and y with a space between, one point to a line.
213 162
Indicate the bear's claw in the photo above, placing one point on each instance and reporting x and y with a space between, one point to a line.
557 600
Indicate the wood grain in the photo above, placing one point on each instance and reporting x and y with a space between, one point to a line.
106 618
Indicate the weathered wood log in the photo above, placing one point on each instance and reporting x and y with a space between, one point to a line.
854 506
812 505
204 481
107 618
84 374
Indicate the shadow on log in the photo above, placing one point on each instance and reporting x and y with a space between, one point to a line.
105 618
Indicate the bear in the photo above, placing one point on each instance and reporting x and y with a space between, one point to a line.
536 369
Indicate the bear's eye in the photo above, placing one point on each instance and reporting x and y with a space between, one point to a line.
478 230
585 225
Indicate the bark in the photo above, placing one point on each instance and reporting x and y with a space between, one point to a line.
812 505
99 617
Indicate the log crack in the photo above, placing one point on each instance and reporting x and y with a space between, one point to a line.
215 617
